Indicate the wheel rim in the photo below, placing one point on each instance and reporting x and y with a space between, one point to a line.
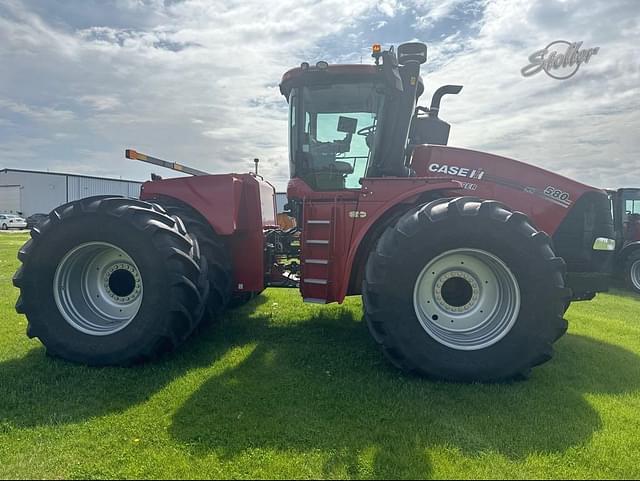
98 288
635 274
467 299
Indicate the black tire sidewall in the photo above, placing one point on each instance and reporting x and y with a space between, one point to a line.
216 253
631 260
153 315
535 282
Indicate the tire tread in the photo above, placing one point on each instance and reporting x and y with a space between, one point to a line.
376 277
177 252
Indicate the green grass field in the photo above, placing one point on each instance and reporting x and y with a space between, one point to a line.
282 389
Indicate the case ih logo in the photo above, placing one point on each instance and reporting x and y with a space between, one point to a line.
455 170
560 59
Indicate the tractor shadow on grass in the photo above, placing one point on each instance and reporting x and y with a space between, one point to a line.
621 290
321 386
37 390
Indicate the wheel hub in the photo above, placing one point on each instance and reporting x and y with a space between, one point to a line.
467 299
456 292
122 283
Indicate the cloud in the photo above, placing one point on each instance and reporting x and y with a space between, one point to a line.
433 11
143 84
196 80
583 127
42 114
101 102
390 8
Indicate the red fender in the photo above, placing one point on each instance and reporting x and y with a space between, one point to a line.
378 198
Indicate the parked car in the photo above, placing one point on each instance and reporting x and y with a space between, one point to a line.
10 221
35 219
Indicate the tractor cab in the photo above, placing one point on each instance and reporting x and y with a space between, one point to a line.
333 120
348 122
626 207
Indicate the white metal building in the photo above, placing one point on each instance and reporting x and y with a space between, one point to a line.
29 192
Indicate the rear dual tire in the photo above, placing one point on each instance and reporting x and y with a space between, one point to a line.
218 255
239 299
111 281
216 252
465 290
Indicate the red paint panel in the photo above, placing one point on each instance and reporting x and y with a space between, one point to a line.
232 204
216 197
520 186
351 214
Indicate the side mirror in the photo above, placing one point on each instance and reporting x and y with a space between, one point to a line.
348 125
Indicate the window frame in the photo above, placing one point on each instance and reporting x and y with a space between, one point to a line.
298 121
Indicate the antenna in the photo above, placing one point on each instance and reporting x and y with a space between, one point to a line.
255 161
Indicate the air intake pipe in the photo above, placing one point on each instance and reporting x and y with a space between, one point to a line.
438 94
398 112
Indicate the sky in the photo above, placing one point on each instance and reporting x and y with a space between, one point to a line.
196 81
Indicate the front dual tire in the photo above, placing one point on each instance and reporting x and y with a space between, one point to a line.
465 290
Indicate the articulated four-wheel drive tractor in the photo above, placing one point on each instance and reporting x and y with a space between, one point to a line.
466 261
626 214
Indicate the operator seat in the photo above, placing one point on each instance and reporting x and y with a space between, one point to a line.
324 171
340 167
632 227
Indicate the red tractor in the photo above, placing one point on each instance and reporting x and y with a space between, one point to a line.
626 214
466 261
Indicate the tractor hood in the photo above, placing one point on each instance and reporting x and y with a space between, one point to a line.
544 196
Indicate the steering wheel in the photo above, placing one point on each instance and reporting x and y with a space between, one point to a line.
364 131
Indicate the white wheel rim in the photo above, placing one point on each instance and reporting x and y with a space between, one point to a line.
467 299
98 288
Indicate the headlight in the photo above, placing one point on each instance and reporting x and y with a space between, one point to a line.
604 244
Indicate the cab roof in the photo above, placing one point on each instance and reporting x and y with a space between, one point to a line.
298 76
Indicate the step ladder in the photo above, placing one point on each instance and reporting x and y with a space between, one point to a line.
317 249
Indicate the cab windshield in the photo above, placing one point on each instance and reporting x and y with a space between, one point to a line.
631 215
333 133
632 204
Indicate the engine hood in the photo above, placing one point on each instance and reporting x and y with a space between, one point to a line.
543 195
